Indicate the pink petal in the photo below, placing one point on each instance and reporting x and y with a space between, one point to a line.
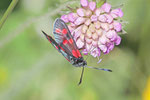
92 5
117 26
84 29
95 36
103 39
118 40
105 26
117 13
106 7
103 48
99 61
110 46
110 34
80 12
70 28
79 20
93 18
97 24
99 32
82 37
72 17
84 3
65 18
88 22
85 52
79 43
88 13
102 18
89 41
94 43
96 52
109 18
88 47
97 12
77 33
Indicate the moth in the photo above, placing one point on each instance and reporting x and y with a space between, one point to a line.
66 45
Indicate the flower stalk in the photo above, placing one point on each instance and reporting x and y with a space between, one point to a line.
8 11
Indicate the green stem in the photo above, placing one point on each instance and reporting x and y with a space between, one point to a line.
8 11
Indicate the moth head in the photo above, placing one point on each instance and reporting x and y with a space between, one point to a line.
78 62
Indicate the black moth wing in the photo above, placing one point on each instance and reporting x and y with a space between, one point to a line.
57 46
64 38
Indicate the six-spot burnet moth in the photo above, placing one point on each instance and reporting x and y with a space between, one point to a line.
66 45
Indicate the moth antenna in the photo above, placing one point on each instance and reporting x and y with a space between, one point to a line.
81 76
99 68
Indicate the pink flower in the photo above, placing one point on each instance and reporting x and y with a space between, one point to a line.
95 30
117 26
93 18
110 47
79 20
102 18
117 13
84 3
97 11
103 48
109 18
72 17
65 18
106 7
92 5
80 12
96 52
79 43
118 40
85 52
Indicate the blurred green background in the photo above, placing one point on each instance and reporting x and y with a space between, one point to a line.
31 69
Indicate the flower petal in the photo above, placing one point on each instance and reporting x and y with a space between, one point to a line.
79 20
97 12
117 13
85 52
92 5
118 40
72 17
109 18
65 18
81 12
106 7
103 48
96 52
102 18
117 26
93 18
79 43
84 3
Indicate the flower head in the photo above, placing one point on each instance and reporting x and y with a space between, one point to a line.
95 30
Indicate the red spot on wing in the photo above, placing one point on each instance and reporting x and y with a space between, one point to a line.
64 31
65 42
70 41
58 30
61 48
78 52
56 47
74 53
